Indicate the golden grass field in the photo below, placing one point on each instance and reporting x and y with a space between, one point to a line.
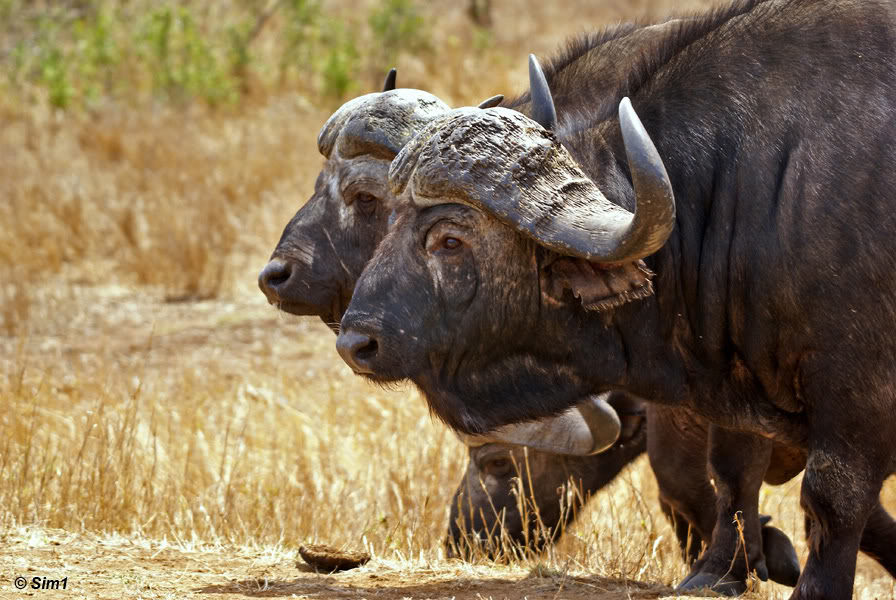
165 433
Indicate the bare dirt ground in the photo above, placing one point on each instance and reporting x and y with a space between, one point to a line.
115 567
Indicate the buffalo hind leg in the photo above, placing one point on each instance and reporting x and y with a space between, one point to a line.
879 538
738 462
850 453
689 539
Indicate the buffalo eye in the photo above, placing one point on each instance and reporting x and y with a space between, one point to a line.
451 243
366 203
497 467
444 238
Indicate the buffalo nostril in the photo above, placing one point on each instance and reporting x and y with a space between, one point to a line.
367 352
358 350
272 276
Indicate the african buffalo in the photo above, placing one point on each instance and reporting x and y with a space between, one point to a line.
322 251
534 262
326 244
486 509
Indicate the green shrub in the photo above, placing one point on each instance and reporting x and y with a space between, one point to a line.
156 35
52 63
341 62
300 36
183 51
183 59
97 54
397 26
239 56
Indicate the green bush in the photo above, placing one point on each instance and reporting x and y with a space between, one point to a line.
183 60
300 36
397 27
183 51
341 62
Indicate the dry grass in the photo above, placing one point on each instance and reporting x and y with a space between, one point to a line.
165 197
216 424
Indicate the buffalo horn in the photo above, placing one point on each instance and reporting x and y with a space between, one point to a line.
543 111
590 427
503 162
654 216
378 124
389 83
491 102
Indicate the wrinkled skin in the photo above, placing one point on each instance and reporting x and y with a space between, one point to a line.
683 483
320 276
770 294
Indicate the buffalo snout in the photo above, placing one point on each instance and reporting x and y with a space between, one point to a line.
358 350
273 279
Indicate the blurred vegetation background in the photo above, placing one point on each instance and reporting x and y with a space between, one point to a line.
83 54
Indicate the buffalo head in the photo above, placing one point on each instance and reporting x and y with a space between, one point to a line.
326 244
501 246
324 247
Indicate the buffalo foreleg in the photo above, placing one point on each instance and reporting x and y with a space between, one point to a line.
737 462
677 447
689 539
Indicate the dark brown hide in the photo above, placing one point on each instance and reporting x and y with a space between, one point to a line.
773 307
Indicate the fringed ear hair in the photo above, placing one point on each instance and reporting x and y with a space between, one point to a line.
600 287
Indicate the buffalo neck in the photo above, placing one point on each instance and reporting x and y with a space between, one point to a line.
713 114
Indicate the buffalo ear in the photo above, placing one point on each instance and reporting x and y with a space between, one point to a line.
600 287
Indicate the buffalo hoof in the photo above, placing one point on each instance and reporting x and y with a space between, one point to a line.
780 556
717 583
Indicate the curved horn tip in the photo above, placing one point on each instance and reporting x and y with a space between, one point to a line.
602 420
628 118
653 189
491 102
472 441
636 138
389 83
543 111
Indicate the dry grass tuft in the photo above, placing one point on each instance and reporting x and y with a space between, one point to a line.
156 198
